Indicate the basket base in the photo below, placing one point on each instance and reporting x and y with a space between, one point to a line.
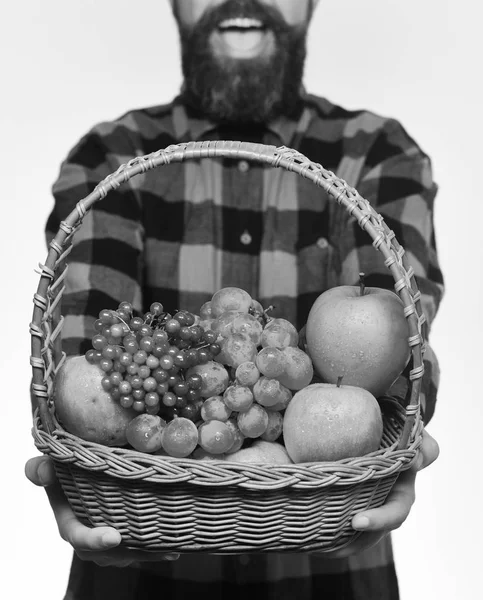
180 517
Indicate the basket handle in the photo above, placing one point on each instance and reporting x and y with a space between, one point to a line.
286 158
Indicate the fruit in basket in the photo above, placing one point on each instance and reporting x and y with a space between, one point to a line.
214 378
261 452
299 369
279 333
180 437
326 422
359 333
145 432
87 410
230 299
216 437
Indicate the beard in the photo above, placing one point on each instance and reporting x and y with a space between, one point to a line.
227 90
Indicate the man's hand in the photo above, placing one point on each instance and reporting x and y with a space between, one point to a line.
378 522
98 544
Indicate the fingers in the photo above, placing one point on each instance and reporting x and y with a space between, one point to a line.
75 532
429 451
40 471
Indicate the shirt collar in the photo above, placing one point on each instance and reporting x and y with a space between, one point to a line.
190 127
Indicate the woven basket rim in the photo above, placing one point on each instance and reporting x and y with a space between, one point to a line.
129 464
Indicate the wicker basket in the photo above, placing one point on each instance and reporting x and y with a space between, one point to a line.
168 504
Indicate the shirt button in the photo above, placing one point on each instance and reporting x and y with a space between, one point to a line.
243 166
245 238
322 243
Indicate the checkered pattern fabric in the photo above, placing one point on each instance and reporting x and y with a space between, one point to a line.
184 230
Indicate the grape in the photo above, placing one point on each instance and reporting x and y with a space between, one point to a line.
125 359
279 333
192 410
237 434
256 308
270 361
247 373
138 405
236 350
249 326
172 326
214 378
267 391
194 381
125 387
166 362
253 422
91 356
238 398
215 437
222 325
140 357
145 432
126 401
230 298
298 371
99 342
144 371
181 402
117 330
106 364
150 384
215 409
106 383
151 399
146 344
180 437
205 311
169 399
136 323
109 352
139 394
156 308
181 388
146 331
284 400
115 378
274 427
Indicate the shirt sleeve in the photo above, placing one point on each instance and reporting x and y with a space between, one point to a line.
397 180
105 264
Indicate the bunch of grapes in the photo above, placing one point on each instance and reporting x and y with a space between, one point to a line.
146 359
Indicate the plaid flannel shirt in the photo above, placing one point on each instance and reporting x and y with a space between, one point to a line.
180 232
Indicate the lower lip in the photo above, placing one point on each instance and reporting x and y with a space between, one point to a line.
243 45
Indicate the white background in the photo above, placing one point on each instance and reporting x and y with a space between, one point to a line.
66 65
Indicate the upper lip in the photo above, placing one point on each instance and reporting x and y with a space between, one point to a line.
241 23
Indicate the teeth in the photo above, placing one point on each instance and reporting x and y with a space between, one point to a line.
241 23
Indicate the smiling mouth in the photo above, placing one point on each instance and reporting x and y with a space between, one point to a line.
241 24
243 38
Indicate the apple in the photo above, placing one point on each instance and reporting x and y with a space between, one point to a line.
358 333
327 422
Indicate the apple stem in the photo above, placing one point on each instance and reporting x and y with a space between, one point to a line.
339 380
362 286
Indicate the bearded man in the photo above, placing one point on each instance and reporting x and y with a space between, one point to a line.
179 233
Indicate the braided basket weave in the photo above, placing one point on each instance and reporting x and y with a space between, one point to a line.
162 503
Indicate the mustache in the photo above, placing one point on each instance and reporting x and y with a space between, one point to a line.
270 16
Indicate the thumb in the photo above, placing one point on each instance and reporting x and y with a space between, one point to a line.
40 471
